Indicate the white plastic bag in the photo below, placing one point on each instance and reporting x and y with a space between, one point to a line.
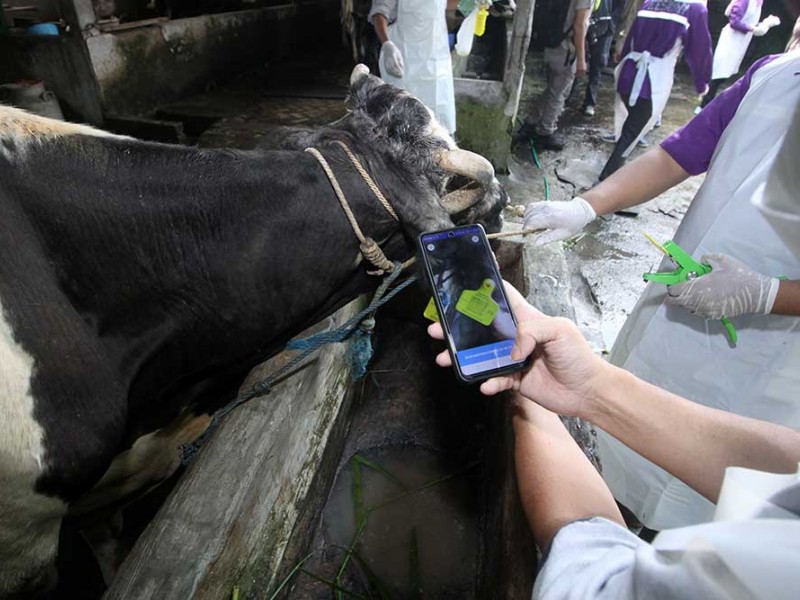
466 34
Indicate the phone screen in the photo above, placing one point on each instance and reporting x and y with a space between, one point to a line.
471 300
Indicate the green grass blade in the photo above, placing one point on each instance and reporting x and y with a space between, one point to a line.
368 463
291 574
333 586
374 581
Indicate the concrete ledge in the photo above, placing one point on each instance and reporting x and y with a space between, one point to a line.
228 521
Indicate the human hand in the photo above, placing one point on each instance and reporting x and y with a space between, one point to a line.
580 68
393 59
765 25
563 219
729 290
565 374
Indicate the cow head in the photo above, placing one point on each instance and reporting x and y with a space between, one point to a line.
415 160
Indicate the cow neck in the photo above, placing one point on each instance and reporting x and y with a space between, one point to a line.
370 250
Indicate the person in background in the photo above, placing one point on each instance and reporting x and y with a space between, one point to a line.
599 36
743 24
564 59
750 551
736 139
661 30
415 52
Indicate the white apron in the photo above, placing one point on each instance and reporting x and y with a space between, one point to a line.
752 549
671 348
661 72
420 32
732 44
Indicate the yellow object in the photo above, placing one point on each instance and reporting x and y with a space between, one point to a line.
478 304
480 21
652 240
430 312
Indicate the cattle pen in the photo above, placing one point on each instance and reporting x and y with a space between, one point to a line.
270 505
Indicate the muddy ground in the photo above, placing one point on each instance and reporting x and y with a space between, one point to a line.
605 263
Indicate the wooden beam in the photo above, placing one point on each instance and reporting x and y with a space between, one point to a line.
229 519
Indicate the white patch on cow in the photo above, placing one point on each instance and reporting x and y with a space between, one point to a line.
20 129
437 130
29 522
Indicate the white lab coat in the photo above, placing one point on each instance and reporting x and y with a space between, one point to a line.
668 346
732 44
420 32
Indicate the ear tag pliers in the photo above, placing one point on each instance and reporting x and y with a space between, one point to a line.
688 269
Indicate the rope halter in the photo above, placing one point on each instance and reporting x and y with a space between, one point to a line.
370 250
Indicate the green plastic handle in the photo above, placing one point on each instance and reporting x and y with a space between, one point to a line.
732 335
688 268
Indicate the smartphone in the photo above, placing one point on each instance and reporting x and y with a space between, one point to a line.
471 301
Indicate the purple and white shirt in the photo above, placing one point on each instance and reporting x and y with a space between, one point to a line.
659 24
693 145
736 12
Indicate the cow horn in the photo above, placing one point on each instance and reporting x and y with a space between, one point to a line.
461 200
466 163
359 72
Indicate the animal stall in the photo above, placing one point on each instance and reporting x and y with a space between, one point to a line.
397 482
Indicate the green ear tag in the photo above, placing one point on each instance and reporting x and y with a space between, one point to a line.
430 311
478 304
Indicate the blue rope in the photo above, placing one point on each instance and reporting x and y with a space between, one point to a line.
361 325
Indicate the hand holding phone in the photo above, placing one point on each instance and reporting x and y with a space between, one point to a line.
470 299
565 375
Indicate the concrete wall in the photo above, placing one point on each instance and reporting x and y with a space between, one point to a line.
141 68
62 63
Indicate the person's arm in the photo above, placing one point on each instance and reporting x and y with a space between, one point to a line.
698 52
638 181
557 484
736 14
787 302
452 4
381 24
579 25
694 443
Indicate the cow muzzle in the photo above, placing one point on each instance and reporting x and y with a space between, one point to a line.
472 166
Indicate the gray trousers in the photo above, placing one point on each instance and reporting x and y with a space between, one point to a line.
559 64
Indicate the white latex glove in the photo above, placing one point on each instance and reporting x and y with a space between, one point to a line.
564 219
765 25
392 59
731 289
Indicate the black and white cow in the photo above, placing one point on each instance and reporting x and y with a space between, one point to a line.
140 282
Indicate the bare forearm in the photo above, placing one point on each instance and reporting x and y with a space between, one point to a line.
557 484
638 181
579 26
381 25
452 4
693 442
787 302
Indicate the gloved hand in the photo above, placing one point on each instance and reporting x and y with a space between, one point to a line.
765 25
731 289
564 219
392 59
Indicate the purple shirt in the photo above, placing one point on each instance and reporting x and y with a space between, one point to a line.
737 13
659 24
693 145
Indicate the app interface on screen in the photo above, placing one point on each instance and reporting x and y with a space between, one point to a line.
477 315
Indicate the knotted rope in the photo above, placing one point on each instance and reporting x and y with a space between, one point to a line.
369 248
